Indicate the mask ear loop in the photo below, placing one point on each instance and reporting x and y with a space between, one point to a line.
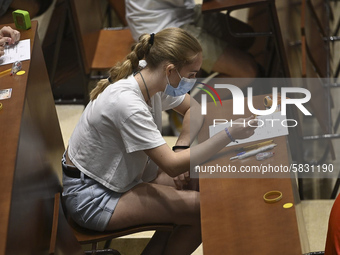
167 78
178 74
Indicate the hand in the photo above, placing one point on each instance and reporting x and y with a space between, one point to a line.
244 129
3 41
11 34
181 181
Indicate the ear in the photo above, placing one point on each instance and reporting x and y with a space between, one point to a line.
169 68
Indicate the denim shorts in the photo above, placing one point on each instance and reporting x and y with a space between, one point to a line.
89 203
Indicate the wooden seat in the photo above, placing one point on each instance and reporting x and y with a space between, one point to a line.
97 48
86 236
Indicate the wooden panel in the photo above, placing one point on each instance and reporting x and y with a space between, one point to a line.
235 218
31 151
39 148
10 121
88 20
240 222
101 49
219 5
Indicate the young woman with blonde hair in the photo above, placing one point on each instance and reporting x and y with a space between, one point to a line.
118 169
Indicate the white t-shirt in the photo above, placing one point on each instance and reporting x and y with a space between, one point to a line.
151 16
114 129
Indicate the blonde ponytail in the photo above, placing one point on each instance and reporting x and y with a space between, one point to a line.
101 85
123 70
173 45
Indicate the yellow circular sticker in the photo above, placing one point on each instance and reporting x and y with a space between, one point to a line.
0 106
20 73
287 205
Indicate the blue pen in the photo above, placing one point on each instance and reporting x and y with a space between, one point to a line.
238 154
254 152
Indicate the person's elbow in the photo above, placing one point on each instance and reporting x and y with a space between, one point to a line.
175 166
173 170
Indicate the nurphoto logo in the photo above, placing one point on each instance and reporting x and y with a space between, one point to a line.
209 93
238 99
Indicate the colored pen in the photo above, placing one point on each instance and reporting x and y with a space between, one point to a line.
254 146
254 152
238 154
3 73
241 153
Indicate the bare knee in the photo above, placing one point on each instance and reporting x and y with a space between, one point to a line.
249 70
190 213
236 63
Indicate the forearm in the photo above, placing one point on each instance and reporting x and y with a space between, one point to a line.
205 150
191 125
181 161
184 159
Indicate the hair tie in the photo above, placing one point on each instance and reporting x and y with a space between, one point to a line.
109 79
152 38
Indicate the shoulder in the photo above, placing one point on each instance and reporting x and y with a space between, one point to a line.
121 92
169 102
122 99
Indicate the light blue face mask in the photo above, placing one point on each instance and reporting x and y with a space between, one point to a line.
184 86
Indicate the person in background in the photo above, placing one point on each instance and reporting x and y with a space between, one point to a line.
222 52
9 36
118 170
34 7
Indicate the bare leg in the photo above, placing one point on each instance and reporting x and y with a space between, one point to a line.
234 63
158 243
157 203
165 179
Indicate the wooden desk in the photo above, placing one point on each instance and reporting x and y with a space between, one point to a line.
30 154
221 5
272 23
235 218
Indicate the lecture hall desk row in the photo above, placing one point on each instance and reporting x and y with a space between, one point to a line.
30 151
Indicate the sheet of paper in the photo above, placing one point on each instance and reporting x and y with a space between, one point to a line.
273 125
18 52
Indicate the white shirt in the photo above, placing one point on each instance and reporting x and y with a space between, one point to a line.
151 16
114 129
